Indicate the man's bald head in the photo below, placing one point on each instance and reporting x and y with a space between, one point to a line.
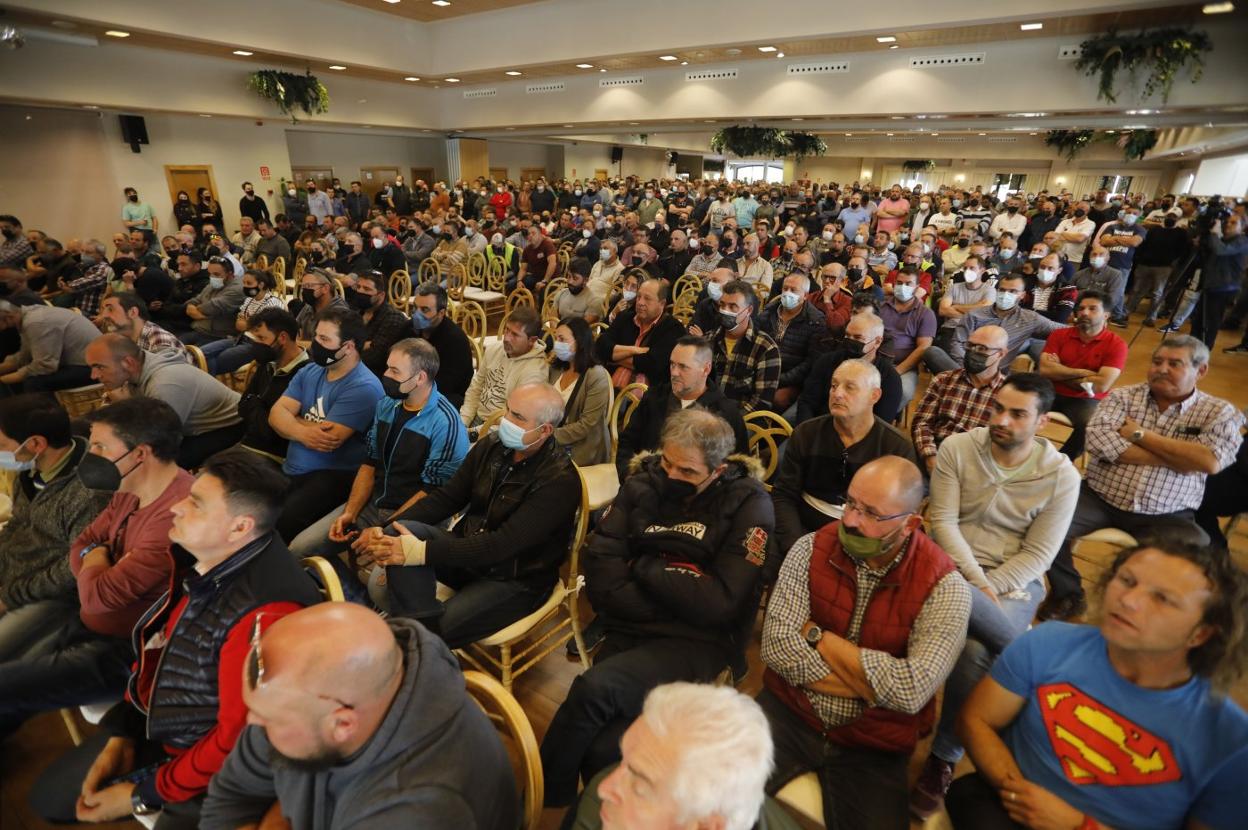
896 483
994 337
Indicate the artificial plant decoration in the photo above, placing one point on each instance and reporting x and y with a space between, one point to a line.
805 144
1163 53
918 165
767 142
1069 142
1133 143
290 91
1136 143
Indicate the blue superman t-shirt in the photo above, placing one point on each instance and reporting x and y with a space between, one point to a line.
351 401
1125 755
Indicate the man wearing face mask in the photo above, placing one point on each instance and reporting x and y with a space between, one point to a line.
319 204
577 301
317 294
517 359
14 247
127 314
1045 221
705 318
1012 220
384 325
503 251
212 312
1027 330
862 340
1120 238
955 257
518 490
50 508
706 256
1075 233
963 296
1006 258
676 567
52 353
855 219
272 245
325 413
251 205
866 620
136 215
415 444
920 215
1046 294
1102 277
959 400
796 327
121 562
384 252
674 262
974 216
294 205
747 361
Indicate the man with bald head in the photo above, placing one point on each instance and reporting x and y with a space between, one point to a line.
867 618
862 340
960 400
518 491
370 712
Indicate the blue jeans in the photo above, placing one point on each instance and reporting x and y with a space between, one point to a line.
991 629
225 356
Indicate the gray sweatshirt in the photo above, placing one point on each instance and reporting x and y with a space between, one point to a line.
434 762
221 306
202 402
53 338
1002 527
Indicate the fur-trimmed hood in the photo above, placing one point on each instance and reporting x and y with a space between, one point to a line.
740 465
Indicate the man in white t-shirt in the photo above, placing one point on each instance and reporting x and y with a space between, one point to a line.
1074 232
1012 219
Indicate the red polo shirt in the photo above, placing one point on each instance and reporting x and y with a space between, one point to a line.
1106 349
537 256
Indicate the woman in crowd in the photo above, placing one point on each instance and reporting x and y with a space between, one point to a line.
586 390
231 354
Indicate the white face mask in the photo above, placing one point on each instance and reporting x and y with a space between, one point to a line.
1046 276
827 236
587 233
971 277
1098 261
790 300
694 244
378 242
1006 300
290 191
903 292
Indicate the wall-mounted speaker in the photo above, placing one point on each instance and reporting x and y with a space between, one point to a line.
617 155
133 131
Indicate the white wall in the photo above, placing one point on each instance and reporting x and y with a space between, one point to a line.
347 152
1226 176
515 155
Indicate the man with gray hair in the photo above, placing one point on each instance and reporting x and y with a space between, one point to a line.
316 292
674 571
797 327
519 492
698 755
1151 446
53 348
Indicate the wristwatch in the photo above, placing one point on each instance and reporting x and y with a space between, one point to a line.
813 635
1137 436
139 807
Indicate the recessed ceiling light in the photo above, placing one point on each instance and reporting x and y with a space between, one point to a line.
684 63
441 2
983 133
602 70
895 46
117 33
392 2
1031 27
1218 8
766 48
243 53
1031 133
634 123
733 51
584 66
90 107
886 39
849 135
779 54
204 115
451 80
898 117
367 126
411 78
567 126
1109 132
709 121
890 134
512 72
799 119
337 67
667 57
935 135
426 131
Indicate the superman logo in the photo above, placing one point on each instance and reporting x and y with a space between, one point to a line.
1096 745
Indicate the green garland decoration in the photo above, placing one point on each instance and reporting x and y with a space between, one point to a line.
1164 53
1137 143
1069 142
290 91
1134 144
767 142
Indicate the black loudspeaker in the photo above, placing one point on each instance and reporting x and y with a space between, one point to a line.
617 155
675 158
133 131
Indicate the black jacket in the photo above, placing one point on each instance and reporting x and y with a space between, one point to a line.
263 390
801 342
517 520
255 208
673 264
814 398
387 326
658 568
661 340
1036 228
454 359
388 258
357 207
402 196
542 201
646 425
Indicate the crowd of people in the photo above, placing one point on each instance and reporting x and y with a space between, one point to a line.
905 539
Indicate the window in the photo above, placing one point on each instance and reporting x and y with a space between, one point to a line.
755 172
1115 184
1004 184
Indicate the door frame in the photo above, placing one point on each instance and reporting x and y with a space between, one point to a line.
377 179
170 169
430 180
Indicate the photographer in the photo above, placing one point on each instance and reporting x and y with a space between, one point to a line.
1224 252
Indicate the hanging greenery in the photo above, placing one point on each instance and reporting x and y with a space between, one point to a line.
290 91
918 165
1069 142
1134 144
1163 53
767 142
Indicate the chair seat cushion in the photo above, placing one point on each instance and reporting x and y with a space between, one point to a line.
804 795
521 626
602 482
480 295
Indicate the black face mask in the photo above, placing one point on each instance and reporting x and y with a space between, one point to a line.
264 352
974 362
575 289
134 197
98 473
1080 213
250 192
324 357
962 243
675 490
853 348
391 387
10 233
854 274
308 295
251 292
358 301
1012 209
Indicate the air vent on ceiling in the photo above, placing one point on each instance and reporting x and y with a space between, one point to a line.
480 93
630 80
1002 139
1069 52
855 139
947 61
540 89
821 68
712 75
950 139
901 139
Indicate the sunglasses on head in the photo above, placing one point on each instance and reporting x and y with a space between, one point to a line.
255 667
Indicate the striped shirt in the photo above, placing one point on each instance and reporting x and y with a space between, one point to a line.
1199 418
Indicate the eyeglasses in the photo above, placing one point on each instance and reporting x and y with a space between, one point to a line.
255 666
851 504
978 349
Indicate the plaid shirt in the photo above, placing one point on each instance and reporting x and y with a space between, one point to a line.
88 290
1201 419
14 254
951 404
903 684
752 373
153 338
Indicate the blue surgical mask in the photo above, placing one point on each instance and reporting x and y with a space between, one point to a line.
563 351
790 300
604 254
629 296
8 461
419 321
1006 300
714 290
511 435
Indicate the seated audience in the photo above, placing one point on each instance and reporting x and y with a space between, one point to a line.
279 356
674 570
168 302
121 562
1083 361
85 292
576 301
325 413
214 310
127 314
833 297
316 294
910 326
586 391
639 342
705 320
519 492
1002 499
1105 279
432 321
1046 294
1151 446
1025 329
53 348
1123 724
416 443
961 399
823 454
518 358
1226 494
157 750
746 362
964 295
384 325
798 329
865 622
233 353
373 711
864 335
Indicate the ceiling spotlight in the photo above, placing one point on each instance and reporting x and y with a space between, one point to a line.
799 119
895 46
890 135
1031 133
567 126
709 121
584 66
451 80
766 48
684 63
849 135
117 33
512 72
1031 27
983 133
441 2
886 39
633 123
243 53
935 135
897 117
411 78
1218 8
90 107
1109 132
337 67
392 2
204 115
779 54
602 70
733 51
667 57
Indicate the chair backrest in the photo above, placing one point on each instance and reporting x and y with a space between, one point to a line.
429 271
554 287
262 262
279 268
622 408
478 353
339 289
684 283
456 282
238 380
684 307
496 276
475 267
400 290
80 400
326 577
508 717
767 431
471 318
197 357
489 422
301 265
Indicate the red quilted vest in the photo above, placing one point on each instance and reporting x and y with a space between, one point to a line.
891 612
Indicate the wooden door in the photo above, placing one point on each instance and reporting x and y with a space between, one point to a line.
498 174
422 174
189 177
323 176
532 174
372 178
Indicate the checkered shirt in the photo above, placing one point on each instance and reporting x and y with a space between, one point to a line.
750 376
88 290
951 404
153 338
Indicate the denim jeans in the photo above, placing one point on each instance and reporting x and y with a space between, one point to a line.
909 383
991 629
938 360
225 356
